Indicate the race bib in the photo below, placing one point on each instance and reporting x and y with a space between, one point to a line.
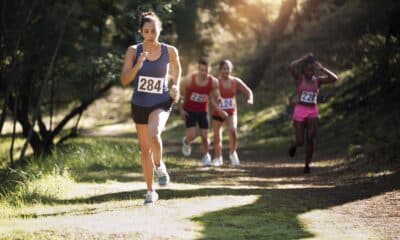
227 103
308 97
150 84
200 98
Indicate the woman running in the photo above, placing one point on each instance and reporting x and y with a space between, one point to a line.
147 66
306 110
226 112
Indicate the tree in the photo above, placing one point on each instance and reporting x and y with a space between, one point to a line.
196 24
61 56
277 31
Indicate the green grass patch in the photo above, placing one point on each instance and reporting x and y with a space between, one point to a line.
5 145
272 216
81 159
84 160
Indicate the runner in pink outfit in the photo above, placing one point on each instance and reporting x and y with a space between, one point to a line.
306 113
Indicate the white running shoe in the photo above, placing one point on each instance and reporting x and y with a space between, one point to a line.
234 159
217 162
206 159
186 148
162 174
150 197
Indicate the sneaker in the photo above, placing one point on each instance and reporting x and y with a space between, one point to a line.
234 159
306 169
206 160
162 175
186 148
150 197
292 151
217 162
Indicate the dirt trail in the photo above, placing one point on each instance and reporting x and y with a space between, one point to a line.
335 207
165 220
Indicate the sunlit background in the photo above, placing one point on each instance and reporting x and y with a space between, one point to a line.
69 156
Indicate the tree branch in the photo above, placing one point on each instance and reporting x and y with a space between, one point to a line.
42 127
80 109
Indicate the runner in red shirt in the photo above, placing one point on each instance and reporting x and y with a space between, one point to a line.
306 110
226 112
198 90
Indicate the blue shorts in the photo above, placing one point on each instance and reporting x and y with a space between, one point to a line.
199 118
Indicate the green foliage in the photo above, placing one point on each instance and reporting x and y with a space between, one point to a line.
83 155
199 24
360 109
60 56
42 178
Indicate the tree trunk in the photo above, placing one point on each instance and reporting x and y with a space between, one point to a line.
13 136
278 28
37 111
4 108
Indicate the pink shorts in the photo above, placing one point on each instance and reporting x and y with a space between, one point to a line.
301 112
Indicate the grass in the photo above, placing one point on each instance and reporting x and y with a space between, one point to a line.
82 160
92 176
270 217
5 145
76 161
356 153
96 176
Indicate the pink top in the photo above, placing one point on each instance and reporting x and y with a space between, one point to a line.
307 92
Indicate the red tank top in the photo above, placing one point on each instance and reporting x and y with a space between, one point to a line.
228 96
196 98
307 93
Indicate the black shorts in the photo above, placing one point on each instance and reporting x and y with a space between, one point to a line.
141 114
199 118
218 118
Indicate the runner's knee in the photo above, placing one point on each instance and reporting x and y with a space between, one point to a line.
145 152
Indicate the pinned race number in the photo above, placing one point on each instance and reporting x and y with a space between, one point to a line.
308 97
200 98
227 103
150 84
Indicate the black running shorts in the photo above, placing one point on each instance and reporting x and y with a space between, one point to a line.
199 118
218 118
141 114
